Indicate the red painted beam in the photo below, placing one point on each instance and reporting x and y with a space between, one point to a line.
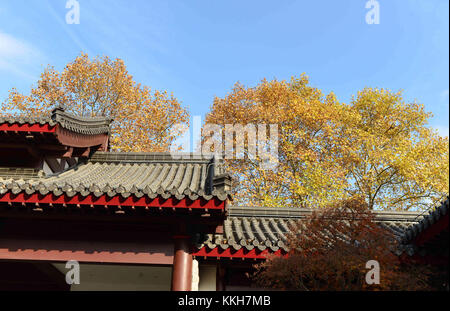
241 253
87 251
116 201
432 231
40 128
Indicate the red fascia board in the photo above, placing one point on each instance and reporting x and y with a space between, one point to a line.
40 128
241 253
427 259
432 231
116 201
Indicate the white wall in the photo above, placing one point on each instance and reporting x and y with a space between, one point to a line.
195 276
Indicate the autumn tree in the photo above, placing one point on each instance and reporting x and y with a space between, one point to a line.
377 146
399 162
144 119
310 161
329 251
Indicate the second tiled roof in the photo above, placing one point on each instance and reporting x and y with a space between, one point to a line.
267 228
126 174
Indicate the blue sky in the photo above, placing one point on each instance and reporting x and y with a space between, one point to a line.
199 49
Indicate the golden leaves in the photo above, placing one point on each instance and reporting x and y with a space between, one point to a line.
402 163
305 118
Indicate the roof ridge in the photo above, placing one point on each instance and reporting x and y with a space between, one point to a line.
148 157
299 212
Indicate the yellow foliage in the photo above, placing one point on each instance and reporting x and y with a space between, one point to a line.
309 171
377 146
400 163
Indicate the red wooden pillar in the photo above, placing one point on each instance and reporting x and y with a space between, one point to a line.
182 264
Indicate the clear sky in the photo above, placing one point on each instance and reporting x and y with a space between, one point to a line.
199 49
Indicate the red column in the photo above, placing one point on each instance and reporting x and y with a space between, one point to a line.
182 264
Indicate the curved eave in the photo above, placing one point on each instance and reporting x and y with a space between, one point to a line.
78 140
432 231
429 226
58 134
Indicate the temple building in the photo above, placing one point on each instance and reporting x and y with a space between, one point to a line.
142 221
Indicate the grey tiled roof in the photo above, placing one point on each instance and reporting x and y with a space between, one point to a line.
433 216
126 174
77 124
266 228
